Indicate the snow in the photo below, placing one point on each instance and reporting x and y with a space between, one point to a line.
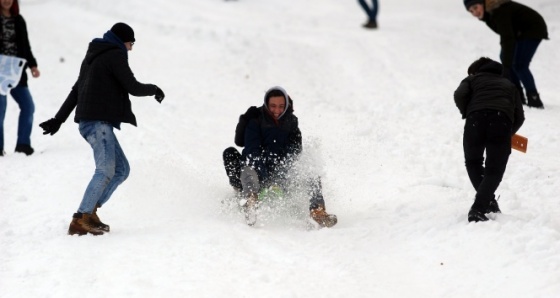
375 107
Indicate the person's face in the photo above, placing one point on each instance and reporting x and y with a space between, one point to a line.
477 10
276 106
129 45
6 4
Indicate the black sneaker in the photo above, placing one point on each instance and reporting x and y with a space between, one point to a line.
534 101
2 153
24 149
476 216
493 207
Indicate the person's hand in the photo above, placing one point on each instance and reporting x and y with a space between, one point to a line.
51 126
35 72
159 95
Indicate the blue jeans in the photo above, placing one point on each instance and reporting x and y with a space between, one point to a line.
524 51
371 12
23 98
111 165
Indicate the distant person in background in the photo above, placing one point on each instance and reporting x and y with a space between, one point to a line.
521 30
101 99
494 112
371 13
16 43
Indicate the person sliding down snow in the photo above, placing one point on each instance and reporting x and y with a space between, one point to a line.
272 141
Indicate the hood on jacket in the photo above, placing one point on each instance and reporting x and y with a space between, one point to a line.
485 64
490 5
99 46
278 91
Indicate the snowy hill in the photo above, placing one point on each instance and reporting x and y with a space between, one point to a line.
376 109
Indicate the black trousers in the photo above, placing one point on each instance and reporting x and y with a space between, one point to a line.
232 165
490 131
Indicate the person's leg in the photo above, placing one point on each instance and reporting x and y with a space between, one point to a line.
374 10
25 124
524 51
498 149
232 165
315 192
3 107
249 181
122 170
473 146
366 8
102 140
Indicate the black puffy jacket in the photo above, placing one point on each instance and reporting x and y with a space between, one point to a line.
488 90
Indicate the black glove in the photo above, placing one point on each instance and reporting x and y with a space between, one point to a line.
51 126
159 94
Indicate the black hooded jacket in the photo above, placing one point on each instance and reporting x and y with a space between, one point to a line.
514 21
23 46
102 89
271 144
488 90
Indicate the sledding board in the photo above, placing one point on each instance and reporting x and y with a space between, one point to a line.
519 143
11 69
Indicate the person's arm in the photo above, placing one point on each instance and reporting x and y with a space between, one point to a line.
462 96
126 78
253 143
518 114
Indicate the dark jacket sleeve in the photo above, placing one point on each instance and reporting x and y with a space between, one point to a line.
295 140
253 143
25 50
126 78
519 115
71 100
462 96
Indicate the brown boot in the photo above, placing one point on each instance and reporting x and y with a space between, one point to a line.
97 222
81 224
322 217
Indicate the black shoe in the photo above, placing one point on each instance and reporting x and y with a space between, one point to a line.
370 25
24 149
476 216
534 101
493 207
2 153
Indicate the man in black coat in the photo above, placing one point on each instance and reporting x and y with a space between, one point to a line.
494 112
101 99
272 141
521 30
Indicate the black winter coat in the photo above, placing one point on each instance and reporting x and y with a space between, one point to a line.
269 144
23 47
102 89
488 90
514 21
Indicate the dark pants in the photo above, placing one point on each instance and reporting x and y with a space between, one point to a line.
489 131
524 51
232 164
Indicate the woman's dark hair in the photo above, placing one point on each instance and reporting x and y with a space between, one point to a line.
14 10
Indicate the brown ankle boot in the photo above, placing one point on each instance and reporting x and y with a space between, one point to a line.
97 222
81 224
322 217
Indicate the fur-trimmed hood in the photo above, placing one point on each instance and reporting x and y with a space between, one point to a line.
490 5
